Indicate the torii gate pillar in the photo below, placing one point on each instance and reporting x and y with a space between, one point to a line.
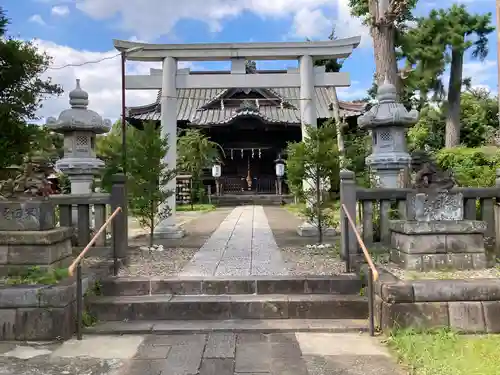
168 227
307 94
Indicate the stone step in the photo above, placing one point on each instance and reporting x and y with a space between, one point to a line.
338 284
233 200
172 327
221 307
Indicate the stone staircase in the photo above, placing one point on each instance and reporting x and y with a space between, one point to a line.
244 198
236 304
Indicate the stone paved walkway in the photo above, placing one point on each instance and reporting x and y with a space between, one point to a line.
242 245
213 354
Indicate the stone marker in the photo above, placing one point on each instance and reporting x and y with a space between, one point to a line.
436 236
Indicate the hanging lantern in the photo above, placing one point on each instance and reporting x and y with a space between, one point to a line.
280 167
216 170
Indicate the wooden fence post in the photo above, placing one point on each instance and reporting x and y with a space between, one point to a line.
348 198
120 223
497 215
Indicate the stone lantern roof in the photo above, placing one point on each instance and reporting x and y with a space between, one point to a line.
388 111
79 117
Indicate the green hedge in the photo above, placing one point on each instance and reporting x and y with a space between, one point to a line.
472 167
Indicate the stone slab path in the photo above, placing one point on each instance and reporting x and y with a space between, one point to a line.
242 245
203 354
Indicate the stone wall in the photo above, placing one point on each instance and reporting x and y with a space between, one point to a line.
469 306
46 249
40 312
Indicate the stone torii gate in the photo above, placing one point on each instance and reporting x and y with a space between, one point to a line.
170 78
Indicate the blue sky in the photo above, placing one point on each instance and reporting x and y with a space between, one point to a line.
75 31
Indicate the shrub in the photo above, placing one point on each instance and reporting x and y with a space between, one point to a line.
472 167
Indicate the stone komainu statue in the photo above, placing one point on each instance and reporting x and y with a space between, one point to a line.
30 182
431 177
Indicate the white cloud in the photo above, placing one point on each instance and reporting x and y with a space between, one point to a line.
101 80
60 10
36 18
347 26
159 17
311 23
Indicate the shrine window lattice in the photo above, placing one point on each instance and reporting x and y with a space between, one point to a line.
81 141
385 136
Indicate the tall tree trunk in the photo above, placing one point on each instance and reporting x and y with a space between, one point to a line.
383 34
385 55
452 136
338 125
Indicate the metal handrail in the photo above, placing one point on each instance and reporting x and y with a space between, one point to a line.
373 274
77 264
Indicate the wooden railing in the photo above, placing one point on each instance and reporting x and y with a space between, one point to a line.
75 211
372 270
77 264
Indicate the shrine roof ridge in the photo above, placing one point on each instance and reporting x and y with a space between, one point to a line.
339 48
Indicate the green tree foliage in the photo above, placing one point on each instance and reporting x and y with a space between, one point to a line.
109 150
315 161
45 142
21 92
295 168
473 167
443 38
148 175
196 152
250 67
479 118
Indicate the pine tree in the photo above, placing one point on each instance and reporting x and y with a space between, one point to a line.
315 161
441 38
148 175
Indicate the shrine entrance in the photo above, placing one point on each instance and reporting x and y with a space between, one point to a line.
303 81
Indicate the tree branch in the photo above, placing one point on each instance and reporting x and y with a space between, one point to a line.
395 9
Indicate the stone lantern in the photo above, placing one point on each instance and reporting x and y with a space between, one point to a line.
79 126
388 120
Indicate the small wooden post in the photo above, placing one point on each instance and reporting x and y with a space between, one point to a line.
348 198
120 223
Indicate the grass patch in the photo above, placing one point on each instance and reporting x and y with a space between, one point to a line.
299 208
443 352
36 275
201 207
295 208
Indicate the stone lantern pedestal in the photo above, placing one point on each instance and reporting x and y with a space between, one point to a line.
79 125
388 120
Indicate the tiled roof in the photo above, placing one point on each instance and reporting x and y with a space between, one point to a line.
191 101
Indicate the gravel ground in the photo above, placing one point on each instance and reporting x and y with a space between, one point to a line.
304 261
167 262
488 273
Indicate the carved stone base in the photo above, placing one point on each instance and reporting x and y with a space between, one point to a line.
431 245
169 232
306 229
46 249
